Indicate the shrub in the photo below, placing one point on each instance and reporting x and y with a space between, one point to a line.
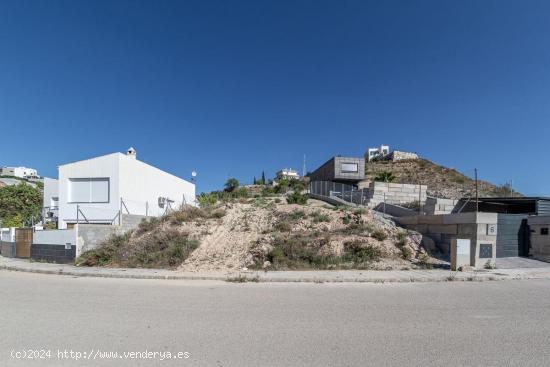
283 226
379 234
297 198
277 200
187 214
207 199
297 215
319 217
361 253
385 176
231 184
160 248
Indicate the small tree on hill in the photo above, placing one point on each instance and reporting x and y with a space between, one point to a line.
263 178
231 184
385 176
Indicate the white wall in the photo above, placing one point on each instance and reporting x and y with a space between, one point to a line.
51 190
55 237
141 183
104 166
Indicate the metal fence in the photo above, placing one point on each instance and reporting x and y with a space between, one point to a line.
346 192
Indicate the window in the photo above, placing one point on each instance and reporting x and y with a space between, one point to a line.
88 190
350 167
544 231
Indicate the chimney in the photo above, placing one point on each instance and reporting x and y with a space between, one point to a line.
131 152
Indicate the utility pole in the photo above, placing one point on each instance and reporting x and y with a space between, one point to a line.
477 193
304 167
512 188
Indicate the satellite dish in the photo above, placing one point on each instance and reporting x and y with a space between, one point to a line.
194 173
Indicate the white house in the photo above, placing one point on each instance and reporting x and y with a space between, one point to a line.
288 173
22 172
99 190
373 153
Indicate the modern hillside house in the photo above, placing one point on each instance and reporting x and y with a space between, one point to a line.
99 190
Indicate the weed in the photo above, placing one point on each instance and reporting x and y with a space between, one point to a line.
379 234
297 198
319 217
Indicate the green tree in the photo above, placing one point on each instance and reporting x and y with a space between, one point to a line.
385 176
263 178
19 203
231 184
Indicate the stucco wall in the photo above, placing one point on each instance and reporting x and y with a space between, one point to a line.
104 166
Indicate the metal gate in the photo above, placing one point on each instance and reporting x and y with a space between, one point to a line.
23 242
512 235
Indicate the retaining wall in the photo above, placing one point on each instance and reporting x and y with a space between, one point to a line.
442 229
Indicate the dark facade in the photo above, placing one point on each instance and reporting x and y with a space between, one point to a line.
340 169
523 205
53 253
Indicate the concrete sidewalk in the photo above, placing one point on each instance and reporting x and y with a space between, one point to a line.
321 276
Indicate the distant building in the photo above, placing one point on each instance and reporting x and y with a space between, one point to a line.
383 153
376 153
288 173
21 172
340 169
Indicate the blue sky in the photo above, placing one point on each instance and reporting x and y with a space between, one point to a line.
234 88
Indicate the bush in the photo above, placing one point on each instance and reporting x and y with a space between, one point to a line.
360 253
296 215
297 198
207 199
379 234
231 184
160 248
319 217
385 176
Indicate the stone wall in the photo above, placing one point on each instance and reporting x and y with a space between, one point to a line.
540 239
396 155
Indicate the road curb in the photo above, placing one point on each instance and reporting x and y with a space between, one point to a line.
245 277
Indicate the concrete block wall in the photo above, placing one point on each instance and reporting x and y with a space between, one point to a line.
395 193
540 242
53 253
439 206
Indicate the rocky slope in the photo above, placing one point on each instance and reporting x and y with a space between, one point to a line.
442 181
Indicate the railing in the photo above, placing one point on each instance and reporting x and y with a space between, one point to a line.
93 214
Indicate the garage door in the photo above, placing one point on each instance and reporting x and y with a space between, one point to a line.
512 235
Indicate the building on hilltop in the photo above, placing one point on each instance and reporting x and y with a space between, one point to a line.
21 172
383 153
288 173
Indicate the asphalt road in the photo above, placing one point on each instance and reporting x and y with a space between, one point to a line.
222 324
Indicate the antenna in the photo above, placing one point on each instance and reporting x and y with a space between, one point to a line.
304 167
